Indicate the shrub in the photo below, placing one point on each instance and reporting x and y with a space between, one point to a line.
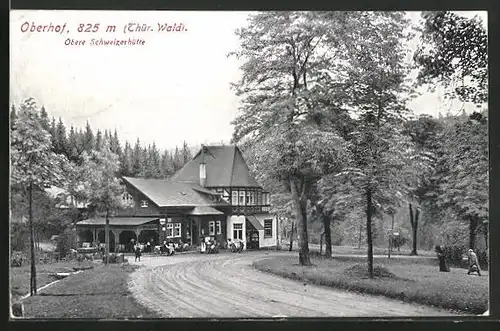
17 259
19 236
65 242
454 254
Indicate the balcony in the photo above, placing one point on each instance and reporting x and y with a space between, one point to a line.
249 210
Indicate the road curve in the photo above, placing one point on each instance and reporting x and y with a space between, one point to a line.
226 285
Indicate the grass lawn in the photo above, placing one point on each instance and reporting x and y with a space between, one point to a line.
20 276
410 280
100 293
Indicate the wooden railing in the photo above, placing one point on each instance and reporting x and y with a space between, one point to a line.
248 210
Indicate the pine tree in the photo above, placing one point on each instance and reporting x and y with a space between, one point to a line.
137 159
52 131
73 150
186 154
98 140
13 117
115 144
88 139
126 161
155 162
178 162
44 119
167 167
60 138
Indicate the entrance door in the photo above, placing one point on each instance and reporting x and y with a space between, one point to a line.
253 242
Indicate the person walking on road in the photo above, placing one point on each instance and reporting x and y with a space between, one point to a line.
137 253
473 263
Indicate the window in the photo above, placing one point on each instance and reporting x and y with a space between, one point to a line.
144 203
268 228
252 198
211 228
127 199
259 197
238 231
218 227
177 229
242 198
235 198
248 197
173 230
170 230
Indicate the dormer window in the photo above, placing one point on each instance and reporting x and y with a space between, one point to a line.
144 203
127 199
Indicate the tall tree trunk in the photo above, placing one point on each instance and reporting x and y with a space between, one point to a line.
360 235
369 211
291 237
321 243
414 228
328 235
32 242
301 225
472 232
106 236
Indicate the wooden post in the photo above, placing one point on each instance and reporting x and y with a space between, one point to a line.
32 242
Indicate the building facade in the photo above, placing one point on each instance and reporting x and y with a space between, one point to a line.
213 195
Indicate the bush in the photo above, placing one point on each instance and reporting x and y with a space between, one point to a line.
17 259
454 254
19 236
482 256
65 242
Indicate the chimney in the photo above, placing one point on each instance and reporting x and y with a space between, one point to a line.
203 167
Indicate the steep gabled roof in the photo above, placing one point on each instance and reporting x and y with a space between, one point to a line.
167 193
225 167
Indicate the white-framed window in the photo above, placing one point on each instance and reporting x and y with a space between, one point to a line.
218 227
144 203
173 230
268 228
235 198
127 199
211 228
242 198
177 229
170 230
238 231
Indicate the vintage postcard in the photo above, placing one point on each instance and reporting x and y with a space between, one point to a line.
230 164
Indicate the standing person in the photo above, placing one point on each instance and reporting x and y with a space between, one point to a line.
148 247
442 259
473 263
137 253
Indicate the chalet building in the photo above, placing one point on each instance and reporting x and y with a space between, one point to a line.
213 195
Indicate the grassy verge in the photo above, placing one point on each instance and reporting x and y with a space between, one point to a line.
410 280
100 293
20 276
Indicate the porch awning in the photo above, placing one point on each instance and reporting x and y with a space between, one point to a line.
119 221
255 222
205 210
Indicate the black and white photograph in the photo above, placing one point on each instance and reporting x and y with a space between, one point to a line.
248 164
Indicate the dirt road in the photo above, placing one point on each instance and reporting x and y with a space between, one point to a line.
226 285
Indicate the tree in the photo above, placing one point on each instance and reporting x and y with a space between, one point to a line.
88 139
155 162
177 160
61 142
44 119
33 164
137 159
13 117
454 52
126 161
375 74
115 144
423 132
98 140
167 166
186 154
283 52
103 189
464 186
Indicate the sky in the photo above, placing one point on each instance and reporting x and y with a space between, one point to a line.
174 88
